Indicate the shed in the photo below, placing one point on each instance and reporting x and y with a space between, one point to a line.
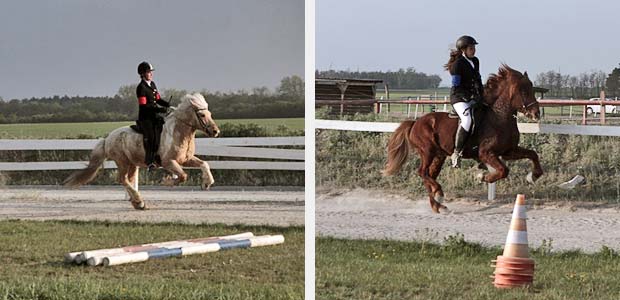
346 95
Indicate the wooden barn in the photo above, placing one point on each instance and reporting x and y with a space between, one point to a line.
346 96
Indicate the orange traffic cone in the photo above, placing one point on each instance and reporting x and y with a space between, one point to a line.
514 268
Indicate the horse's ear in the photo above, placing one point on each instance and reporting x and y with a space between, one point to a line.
525 74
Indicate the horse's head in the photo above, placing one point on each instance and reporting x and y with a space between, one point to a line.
195 111
514 90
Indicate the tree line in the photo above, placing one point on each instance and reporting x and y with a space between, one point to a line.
402 79
286 101
583 86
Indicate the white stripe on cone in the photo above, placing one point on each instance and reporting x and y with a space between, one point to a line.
516 237
519 212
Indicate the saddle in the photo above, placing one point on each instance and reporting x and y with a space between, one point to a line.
136 128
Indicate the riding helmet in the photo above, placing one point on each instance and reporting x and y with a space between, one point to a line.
144 67
465 41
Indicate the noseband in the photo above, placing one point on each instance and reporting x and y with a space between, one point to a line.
524 107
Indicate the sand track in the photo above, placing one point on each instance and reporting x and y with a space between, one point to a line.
378 215
229 205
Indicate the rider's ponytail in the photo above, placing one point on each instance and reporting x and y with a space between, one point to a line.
454 54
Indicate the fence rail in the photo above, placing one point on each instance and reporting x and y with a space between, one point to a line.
523 128
224 147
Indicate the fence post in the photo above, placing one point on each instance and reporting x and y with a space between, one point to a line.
603 108
491 193
584 115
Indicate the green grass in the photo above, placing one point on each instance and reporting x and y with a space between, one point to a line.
357 269
31 263
100 129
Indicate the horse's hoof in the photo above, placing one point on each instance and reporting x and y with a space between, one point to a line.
480 177
139 205
207 183
530 178
439 198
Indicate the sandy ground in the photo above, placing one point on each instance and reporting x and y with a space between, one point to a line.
281 206
378 215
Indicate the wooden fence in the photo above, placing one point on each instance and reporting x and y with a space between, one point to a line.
224 147
523 128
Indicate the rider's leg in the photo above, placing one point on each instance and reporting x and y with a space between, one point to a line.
148 131
463 109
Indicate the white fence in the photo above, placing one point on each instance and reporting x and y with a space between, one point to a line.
523 128
225 147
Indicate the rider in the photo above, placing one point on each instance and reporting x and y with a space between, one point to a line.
150 103
466 90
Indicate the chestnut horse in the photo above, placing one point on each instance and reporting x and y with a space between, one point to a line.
495 137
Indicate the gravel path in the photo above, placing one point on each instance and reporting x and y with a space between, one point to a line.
378 215
230 205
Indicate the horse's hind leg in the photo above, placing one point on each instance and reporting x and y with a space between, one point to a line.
520 153
434 171
126 177
431 185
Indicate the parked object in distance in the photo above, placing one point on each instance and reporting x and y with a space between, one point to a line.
596 108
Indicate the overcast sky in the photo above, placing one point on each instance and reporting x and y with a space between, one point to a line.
91 48
536 36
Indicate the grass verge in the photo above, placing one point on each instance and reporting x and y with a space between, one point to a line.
456 269
101 129
31 260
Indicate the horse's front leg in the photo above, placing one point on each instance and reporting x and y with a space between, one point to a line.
497 167
176 169
520 153
207 177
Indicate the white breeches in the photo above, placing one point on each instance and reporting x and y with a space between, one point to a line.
463 109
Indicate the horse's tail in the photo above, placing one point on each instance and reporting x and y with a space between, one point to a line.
398 148
97 156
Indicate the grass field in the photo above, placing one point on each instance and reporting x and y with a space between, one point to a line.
355 269
99 129
32 265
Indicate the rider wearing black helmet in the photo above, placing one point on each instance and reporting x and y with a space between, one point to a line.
150 103
466 89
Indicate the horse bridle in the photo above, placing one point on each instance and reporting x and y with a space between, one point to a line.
200 120
525 107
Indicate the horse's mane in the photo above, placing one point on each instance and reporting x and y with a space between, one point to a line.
196 99
504 73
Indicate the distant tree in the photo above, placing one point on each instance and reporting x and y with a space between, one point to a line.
407 78
613 83
292 86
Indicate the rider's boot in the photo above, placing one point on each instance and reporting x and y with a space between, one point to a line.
461 137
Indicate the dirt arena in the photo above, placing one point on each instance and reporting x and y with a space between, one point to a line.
280 206
368 214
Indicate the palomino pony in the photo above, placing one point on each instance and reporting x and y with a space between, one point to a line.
495 138
177 148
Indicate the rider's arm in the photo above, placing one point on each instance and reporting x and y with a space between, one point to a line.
458 89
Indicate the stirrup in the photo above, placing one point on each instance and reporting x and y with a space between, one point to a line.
456 159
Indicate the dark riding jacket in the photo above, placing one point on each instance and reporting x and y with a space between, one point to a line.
466 81
148 99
